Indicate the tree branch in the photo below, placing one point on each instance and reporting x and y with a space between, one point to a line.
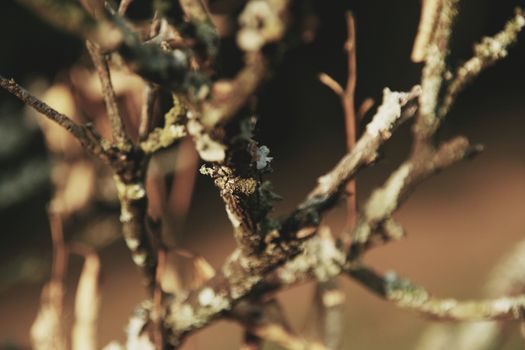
331 186
240 273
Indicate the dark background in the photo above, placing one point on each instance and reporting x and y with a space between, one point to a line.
459 223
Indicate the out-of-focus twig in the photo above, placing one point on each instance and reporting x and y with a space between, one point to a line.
486 53
146 116
506 279
123 7
87 305
48 329
407 295
186 169
265 321
427 23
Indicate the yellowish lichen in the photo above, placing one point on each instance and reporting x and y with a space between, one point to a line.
385 199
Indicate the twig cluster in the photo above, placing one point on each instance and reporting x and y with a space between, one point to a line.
175 54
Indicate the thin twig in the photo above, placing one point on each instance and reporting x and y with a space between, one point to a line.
181 192
60 253
350 119
427 24
123 7
120 138
48 329
146 114
408 295
486 53
387 117
87 305
366 105
86 135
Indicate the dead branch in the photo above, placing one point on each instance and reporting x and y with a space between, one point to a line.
407 295
486 53
100 61
241 273
271 254
86 135
87 305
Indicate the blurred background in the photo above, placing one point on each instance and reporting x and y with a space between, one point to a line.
459 223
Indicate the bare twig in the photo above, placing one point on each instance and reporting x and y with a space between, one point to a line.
350 115
86 135
271 254
123 7
328 316
48 330
146 115
367 104
427 23
100 61
87 305
60 253
388 116
179 198
332 84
